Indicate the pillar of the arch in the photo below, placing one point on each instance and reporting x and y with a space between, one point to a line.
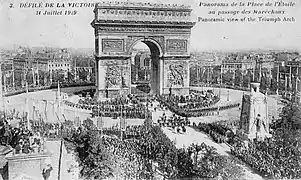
100 80
155 75
176 76
161 76
113 78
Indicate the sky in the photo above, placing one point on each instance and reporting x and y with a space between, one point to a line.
20 26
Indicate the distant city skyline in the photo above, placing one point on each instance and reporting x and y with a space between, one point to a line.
23 27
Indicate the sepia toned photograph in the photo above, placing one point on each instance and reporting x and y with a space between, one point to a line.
150 90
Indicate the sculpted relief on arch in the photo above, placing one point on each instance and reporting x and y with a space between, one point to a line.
176 72
116 73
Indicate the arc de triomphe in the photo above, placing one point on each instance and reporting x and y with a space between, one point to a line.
164 28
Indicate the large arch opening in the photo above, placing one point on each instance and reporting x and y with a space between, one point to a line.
145 67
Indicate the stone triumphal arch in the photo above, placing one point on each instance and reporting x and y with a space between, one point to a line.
164 28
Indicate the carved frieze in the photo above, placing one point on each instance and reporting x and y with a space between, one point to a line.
176 45
112 45
177 15
146 5
166 30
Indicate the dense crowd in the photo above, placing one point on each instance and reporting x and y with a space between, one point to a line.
22 139
274 157
130 132
217 131
15 132
270 158
175 122
187 112
195 100
129 107
127 150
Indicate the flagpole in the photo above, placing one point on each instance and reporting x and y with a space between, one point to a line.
297 82
253 78
38 76
1 90
260 75
5 90
270 76
33 77
197 73
27 106
277 90
221 81
285 90
13 70
290 79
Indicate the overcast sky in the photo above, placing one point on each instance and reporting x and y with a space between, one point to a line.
22 26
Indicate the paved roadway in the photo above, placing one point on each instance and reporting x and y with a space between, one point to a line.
196 137
44 102
45 99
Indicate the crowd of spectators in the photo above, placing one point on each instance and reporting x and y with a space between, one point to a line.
129 107
195 100
175 122
19 137
217 131
270 158
198 112
28 138
273 157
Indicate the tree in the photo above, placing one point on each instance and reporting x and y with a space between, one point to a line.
238 77
58 75
19 76
193 75
216 74
228 77
83 74
185 164
70 76
95 161
290 117
42 75
247 79
29 78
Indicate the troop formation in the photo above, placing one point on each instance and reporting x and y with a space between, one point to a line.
175 122
195 100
